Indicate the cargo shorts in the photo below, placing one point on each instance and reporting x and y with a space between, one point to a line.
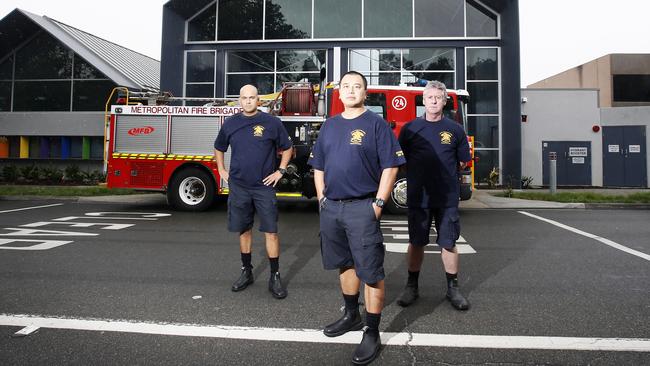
351 237
243 203
447 224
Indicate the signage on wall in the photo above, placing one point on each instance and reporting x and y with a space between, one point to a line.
580 160
613 148
635 148
577 151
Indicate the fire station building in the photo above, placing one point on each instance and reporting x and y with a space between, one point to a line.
212 48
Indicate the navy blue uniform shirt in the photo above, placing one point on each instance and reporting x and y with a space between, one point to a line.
433 151
254 142
353 153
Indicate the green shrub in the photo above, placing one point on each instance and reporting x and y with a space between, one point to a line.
29 174
72 174
51 175
10 173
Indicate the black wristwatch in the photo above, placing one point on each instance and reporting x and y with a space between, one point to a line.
282 171
379 202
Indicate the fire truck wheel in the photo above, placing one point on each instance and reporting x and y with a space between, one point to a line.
191 189
397 202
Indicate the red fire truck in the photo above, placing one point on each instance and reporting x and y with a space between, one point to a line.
153 145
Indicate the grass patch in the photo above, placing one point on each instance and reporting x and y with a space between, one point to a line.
586 197
61 191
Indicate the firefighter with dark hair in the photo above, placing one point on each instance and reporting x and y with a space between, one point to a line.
254 138
435 148
355 161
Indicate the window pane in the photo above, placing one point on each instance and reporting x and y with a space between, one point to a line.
314 78
376 102
375 60
388 18
439 18
200 67
258 61
42 96
384 78
240 19
97 148
482 64
199 90
201 28
631 88
44 58
429 59
483 98
445 77
5 96
288 19
448 110
337 19
485 130
487 160
306 60
480 21
91 95
6 68
84 70
263 82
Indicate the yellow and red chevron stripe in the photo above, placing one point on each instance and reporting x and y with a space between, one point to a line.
163 157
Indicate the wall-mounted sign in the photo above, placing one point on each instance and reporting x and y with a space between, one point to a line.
577 151
635 148
578 160
613 148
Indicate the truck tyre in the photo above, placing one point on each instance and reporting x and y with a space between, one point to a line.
191 189
396 204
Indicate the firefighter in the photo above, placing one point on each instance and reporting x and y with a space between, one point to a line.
254 138
435 148
355 162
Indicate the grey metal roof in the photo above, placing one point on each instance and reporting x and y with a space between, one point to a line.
120 64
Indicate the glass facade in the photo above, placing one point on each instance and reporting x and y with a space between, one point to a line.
256 20
199 75
287 19
483 109
44 75
403 66
269 69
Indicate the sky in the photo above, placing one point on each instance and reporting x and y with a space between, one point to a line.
556 35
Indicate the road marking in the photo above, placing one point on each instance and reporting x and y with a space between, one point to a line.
400 242
26 331
31 208
591 236
40 244
317 336
402 248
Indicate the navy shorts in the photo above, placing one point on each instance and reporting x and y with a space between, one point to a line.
350 237
447 223
243 203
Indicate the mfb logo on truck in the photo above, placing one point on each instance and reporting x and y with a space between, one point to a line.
136 131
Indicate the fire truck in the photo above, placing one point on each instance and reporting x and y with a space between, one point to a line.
160 143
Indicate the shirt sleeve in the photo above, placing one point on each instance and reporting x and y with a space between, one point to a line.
404 139
462 148
223 138
388 149
282 140
317 154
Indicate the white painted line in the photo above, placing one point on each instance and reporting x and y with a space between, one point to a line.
26 331
317 336
31 208
591 236
402 248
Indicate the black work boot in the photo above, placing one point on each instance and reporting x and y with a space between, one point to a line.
245 279
408 296
350 321
368 349
454 296
275 286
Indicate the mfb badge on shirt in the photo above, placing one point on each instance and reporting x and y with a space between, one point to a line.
258 131
445 137
357 137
